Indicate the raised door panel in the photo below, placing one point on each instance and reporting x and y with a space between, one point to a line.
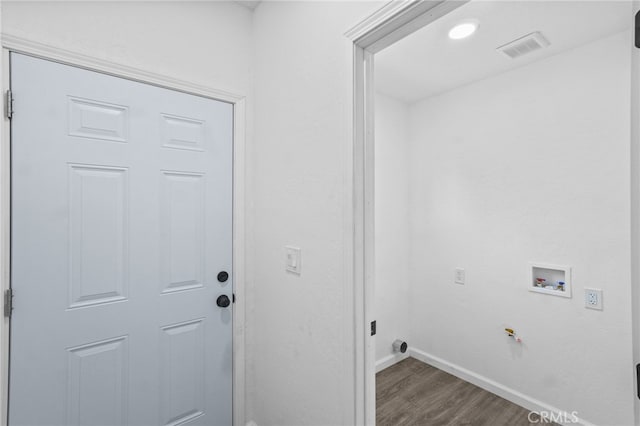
182 372
98 120
98 221
182 231
98 383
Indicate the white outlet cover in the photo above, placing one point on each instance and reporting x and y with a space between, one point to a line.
459 276
293 259
593 298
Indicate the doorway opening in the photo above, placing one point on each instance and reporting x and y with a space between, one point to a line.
496 205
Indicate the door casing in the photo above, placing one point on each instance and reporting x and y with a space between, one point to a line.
239 101
388 25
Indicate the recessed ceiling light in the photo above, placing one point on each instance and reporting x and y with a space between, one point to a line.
463 30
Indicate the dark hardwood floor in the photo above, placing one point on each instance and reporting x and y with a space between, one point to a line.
414 393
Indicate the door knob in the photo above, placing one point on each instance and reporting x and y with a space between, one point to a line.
223 301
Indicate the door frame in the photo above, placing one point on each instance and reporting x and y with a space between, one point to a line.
388 25
391 23
239 101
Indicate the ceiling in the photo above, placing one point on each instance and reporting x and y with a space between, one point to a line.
427 62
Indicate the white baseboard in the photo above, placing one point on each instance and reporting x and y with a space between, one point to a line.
252 423
487 384
390 360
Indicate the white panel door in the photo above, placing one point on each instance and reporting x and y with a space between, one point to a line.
121 225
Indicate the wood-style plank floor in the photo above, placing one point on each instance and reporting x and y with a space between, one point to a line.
414 393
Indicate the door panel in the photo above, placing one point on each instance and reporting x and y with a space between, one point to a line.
97 393
121 221
182 371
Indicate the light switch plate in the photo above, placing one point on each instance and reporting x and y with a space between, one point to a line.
293 259
459 276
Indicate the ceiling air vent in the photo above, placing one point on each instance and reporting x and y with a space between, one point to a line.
523 45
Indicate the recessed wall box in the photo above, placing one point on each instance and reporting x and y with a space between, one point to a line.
550 279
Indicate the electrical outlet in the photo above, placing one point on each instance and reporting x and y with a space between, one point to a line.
459 276
593 298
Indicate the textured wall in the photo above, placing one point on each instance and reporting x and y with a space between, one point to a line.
301 331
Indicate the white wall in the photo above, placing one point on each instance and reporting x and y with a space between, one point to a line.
530 165
302 326
208 43
392 230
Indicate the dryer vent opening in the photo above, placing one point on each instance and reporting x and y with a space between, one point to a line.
399 346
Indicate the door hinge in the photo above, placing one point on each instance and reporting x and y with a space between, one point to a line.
373 328
638 380
637 30
8 104
8 303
